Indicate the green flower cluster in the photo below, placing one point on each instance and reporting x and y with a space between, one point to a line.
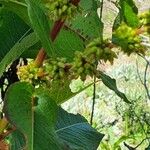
145 20
84 63
60 9
56 69
129 40
103 50
30 73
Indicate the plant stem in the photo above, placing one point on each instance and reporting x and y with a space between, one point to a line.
145 76
40 57
93 104
55 31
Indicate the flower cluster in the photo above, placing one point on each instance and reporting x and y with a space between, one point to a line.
129 39
60 9
145 20
84 63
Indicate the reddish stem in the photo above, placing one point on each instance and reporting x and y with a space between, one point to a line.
55 31
40 57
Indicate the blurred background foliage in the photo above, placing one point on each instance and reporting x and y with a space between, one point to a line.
126 127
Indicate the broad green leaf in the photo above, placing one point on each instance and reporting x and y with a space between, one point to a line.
17 140
131 3
111 84
61 92
12 29
18 8
16 51
120 41
128 13
32 51
67 43
130 17
88 24
34 115
40 24
19 96
76 132
64 46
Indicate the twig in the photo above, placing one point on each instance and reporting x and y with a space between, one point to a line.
134 148
138 73
94 86
101 9
140 143
129 147
93 104
145 80
145 76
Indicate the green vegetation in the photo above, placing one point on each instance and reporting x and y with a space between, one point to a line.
52 52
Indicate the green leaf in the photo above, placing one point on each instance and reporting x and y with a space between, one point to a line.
17 140
32 51
120 41
111 84
128 13
61 92
87 24
16 51
106 145
66 43
35 116
12 29
18 8
132 5
21 117
40 24
76 132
